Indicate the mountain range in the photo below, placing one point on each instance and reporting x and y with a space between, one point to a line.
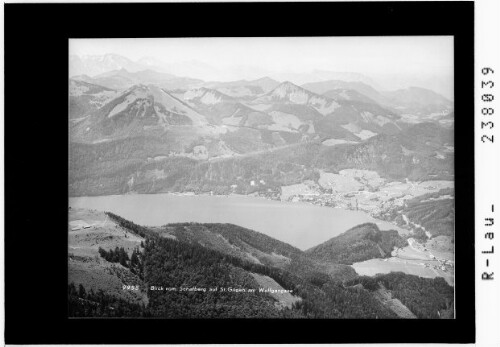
97 64
344 114
206 124
92 65
412 100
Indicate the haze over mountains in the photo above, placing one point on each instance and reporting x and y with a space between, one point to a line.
93 65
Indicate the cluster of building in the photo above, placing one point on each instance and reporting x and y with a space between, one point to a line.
272 194
444 265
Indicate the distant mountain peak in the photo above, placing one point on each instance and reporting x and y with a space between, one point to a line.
413 96
290 93
288 84
264 79
294 93
285 88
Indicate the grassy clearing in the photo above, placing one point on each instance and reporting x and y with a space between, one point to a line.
87 231
396 306
284 299
375 266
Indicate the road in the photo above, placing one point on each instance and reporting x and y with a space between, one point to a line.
264 151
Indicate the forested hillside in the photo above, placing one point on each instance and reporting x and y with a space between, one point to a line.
363 242
121 166
186 270
425 297
433 212
257 248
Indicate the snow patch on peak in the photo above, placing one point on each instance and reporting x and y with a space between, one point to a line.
299 97
206 96
291 92
323 105
194 94
285 88
210 98
136 94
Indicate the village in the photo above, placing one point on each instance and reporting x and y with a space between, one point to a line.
352 189
436 262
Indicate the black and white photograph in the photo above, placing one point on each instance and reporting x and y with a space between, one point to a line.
247 172
261 177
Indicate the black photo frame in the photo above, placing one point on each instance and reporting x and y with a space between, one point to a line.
36 153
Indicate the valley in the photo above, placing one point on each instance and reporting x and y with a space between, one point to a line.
417 259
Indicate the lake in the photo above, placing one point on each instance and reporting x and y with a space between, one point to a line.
299 224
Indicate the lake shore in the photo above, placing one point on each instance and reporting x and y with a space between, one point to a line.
300 224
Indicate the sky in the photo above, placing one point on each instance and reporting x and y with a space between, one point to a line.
360 54
395 61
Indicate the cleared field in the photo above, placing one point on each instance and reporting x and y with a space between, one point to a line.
396 306
284 299
441 246
339 183
284 121
414 259
369 189
87 231
409 253
375 266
